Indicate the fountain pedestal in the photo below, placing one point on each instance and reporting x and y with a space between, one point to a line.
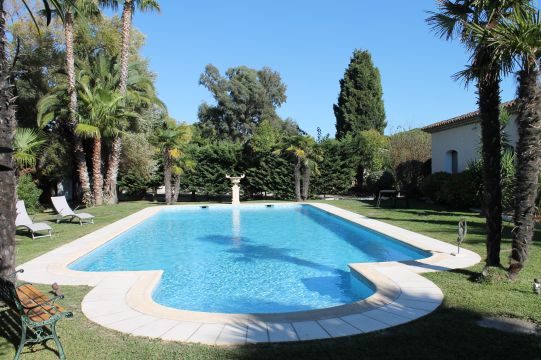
235 189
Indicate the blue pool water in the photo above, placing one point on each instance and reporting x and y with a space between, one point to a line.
249 259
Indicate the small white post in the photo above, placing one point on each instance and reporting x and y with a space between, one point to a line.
235 189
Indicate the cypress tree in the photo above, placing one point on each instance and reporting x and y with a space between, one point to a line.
360 103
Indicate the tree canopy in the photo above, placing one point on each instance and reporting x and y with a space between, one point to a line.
244 98
360 104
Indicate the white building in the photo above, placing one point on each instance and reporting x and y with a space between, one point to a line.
457 141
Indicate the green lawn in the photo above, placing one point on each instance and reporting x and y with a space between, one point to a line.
448 333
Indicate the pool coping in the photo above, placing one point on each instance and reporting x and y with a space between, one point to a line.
123 300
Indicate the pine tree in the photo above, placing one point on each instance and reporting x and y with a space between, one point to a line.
360 103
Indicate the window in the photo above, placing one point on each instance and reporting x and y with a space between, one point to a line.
451 162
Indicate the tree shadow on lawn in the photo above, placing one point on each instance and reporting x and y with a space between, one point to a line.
10 330
445 334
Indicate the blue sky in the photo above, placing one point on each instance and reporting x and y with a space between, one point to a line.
310 44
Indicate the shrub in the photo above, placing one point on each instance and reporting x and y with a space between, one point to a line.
431 186
410 175
379 180
460 191
28 191
134 185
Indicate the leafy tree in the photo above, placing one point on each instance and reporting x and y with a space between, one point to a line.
409 155
7 129
244 98
453 21
28 191
360 103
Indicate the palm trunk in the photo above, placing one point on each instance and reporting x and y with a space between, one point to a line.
176 188
306 182
7 174
297 172
167 164
528 164
96 172
127 14
109 189
80 157
488 87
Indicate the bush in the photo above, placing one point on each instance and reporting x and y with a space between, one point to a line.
410 175
379 180
461 190
134 185
432 185
28 191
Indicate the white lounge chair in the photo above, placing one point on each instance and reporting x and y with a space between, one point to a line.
64 211
24 220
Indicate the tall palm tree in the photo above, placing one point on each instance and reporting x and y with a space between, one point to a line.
73 8
517 41
451 22
170 139
129 7
7 130
181 165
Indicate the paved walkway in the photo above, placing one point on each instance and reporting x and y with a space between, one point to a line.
123 300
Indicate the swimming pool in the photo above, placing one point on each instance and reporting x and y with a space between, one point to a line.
249 259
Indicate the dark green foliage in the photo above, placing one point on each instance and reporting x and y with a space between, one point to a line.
134 185
244 98
214 162
432 184
507 177
28 191
337 170
379 180
460 191
269 174
410 174
360 103
56 158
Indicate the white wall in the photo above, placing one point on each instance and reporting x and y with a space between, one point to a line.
466 141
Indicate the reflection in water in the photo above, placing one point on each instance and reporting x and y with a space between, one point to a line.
236 226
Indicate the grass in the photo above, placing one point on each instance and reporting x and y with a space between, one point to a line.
448 333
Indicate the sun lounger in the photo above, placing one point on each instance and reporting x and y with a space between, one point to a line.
65 212
25 221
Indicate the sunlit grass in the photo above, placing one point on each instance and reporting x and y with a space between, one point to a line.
449 333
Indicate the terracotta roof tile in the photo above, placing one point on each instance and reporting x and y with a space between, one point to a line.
464 119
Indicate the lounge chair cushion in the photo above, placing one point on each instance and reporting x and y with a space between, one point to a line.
84 215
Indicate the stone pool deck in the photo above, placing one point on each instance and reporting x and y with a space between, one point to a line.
122 301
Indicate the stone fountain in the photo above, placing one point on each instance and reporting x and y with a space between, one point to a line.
235 189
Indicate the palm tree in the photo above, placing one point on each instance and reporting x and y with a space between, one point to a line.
170 139
73 8
99 77
303 151
116 145
7 129
517 41
102 115
182 164
451 22
26 147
